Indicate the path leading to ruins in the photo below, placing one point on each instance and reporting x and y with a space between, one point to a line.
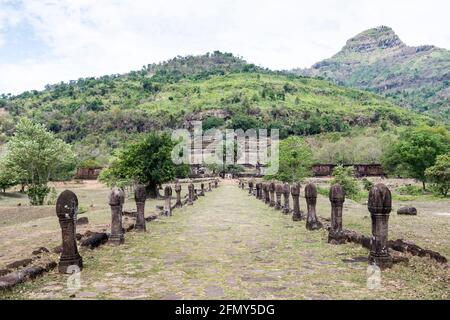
228 245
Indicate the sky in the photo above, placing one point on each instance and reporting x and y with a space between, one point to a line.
48 41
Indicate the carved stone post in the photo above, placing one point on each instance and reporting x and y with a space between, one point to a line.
380 205
295 191
140 195
66 210
178 204
286 193
116 200
272 194
337 199
266 193
209 186
312 223
202 190
278 192
168 201
258 190
250 187
191 194
216 183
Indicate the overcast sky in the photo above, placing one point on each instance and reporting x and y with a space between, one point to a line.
47 41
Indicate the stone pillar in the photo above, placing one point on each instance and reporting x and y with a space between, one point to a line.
337 199
168 201
286 193
140 195
278 192
295 191
266 194
66 211
250 187
258 190
312 223
178 204
380 205
202 190
209 186
191 194
216 183
272 194
116 200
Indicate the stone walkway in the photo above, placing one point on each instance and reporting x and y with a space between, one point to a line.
228 245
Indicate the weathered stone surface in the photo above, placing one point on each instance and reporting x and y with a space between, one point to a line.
278 193
295 192
286 194
408 211
337 199
216 183
312 223
209 186
66 210
82 221
380 205
259 190
272 194
168 201
411 248
140 195
191 194
266 193
179 203
94 240
12 279
116 200
202 189
19 263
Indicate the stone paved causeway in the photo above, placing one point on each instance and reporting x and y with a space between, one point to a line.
228 245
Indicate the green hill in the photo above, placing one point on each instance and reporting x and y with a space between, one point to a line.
414 77
98 114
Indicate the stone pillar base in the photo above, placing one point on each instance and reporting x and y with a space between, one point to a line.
336 238
116 240
313 225
298 217
382 261
140 228
65 263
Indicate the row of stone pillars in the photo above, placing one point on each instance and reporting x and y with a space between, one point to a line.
67 209
379 206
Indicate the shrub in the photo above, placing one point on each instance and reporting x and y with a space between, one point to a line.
344 176
439 174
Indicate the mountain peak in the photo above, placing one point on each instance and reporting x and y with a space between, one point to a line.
382 37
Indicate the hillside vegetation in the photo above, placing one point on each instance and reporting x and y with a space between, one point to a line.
414 77
98 114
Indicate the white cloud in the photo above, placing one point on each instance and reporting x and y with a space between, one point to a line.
92 38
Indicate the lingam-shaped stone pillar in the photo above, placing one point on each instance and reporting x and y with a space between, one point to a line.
278 193
312 223
116 200
168 201
296 213
191 194
380 206
250 187
258 190
140 195
202 189
216 183
179 203
337 199
267 193
66 210
209 186
286 194
272 194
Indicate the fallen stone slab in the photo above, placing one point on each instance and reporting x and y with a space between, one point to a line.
94 240
14 278
407 211
413 249
19 263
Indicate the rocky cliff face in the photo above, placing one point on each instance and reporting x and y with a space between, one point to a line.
377 60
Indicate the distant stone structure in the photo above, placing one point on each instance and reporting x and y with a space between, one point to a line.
361 170
88 173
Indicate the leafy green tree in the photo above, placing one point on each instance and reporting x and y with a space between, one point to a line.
415 151
147 161
439 174
35 156
344 176
8 178
295 160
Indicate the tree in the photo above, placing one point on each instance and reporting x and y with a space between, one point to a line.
147 161
439 174
8 179
344 176
415 151
35 156
295 160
